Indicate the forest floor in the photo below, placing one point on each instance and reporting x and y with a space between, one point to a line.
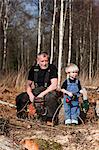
59 137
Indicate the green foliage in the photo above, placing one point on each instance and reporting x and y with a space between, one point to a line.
49 145
85 106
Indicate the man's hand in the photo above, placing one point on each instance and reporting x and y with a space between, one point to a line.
41 95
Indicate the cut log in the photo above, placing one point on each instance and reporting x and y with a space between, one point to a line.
6 103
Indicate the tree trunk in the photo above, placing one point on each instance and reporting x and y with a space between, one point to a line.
52 38
70 31
98 51
39 27
60 44
90 37
1 9
77 52
1 36
28 57
22 51
5 27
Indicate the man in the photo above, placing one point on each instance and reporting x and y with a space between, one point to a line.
42 83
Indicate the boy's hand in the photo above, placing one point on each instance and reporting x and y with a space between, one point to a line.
70 94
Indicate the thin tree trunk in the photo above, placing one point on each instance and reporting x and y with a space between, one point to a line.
64 20
64 27
22 51
81 49
70 32
39 27
1 35
90 36
60 44
77 52
18 57
5 27
1 9
98 51
52 38
28 57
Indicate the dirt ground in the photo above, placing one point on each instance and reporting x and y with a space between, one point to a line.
12 130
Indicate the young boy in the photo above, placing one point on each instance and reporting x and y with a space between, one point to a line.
71 89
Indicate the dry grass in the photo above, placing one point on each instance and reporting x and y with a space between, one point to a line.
86 82
18 80
13 80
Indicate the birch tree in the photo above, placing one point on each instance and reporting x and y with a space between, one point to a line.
52 38
60 44
39 26
90 37
70 32
5 27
